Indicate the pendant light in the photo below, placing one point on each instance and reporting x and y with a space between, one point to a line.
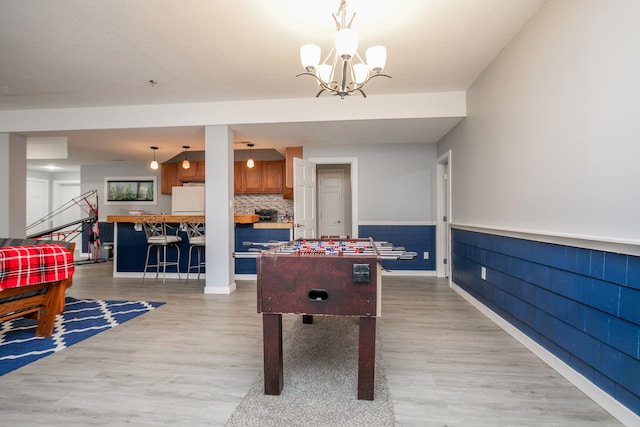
185 162
154 164
250 162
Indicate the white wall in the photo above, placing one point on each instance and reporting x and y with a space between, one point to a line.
551 140
13 183
92 177
396 181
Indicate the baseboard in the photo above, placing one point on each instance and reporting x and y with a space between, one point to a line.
608 403
408 273
220 290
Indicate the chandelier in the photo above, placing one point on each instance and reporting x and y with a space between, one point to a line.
347 73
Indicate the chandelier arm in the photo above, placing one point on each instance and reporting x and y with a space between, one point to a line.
324 85
307 73
375 75
362 92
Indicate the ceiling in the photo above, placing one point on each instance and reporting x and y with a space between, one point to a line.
77 53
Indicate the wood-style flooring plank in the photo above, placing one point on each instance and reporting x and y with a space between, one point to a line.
190 362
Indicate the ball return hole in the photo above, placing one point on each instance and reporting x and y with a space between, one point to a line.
318 295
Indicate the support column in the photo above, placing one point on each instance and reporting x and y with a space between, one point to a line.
219 210
13 185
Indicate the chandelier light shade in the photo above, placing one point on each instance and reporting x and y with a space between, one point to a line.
185 162
250 162
343 72
154 164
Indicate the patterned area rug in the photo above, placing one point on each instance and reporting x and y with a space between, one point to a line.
80 320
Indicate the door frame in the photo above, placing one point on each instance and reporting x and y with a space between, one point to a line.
443 209
353 179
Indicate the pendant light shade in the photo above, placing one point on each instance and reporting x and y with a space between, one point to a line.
250 162
376 58
185 162
346 43
310 56
154 164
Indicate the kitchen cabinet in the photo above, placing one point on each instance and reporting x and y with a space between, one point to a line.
266 177
252 178
194 173
174 175
291 152
168 177
272 176
238 177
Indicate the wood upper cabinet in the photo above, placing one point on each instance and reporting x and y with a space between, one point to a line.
194 173
291 152
168 177
238 177
264 177
253 178
272 176
173 174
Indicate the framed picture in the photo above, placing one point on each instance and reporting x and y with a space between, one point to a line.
138 190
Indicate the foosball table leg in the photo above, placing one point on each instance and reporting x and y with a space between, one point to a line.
272 338
366 358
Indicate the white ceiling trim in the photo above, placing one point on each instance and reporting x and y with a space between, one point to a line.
405 106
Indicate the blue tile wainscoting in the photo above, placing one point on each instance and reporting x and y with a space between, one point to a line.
246 233
414 238
582 305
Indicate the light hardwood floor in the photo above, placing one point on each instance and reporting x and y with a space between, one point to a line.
190 362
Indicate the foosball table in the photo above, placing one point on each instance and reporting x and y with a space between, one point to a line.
322 277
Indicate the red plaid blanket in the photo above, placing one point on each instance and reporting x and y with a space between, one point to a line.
30 265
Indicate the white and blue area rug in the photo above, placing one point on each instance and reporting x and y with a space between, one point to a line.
81 319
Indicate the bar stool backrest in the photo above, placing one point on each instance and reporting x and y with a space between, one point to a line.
156 231
196 233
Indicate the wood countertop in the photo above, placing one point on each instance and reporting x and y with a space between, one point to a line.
245 218
174 219
273 225
158 217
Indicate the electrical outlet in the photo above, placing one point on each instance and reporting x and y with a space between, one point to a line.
426 255
483 273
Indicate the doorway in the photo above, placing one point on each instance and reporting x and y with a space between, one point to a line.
334 200
63 192
347 169
443 215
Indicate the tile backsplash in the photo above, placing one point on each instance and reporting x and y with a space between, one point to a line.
248 203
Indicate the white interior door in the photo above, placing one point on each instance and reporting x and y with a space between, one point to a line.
331 216
304 199
37 204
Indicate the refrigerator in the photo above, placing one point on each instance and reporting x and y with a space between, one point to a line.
187 200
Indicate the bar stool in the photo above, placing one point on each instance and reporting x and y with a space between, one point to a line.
156 234
196 238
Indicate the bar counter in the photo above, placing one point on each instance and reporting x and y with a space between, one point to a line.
130 245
